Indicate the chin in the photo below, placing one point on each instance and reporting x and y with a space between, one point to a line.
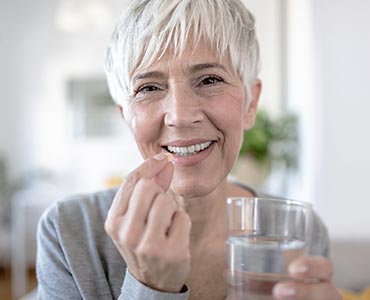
193 187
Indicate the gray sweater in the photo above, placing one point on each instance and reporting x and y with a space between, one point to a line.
76 259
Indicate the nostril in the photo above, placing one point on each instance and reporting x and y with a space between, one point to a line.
184 117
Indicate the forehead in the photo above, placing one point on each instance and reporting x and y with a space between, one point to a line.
191 56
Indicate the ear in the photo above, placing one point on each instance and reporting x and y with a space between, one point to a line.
251 110
125 114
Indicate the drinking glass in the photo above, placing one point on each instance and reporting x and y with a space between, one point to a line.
264 236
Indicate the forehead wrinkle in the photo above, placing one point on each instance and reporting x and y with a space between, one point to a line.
150 74
186 66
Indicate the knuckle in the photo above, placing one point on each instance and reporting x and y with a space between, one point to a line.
144 184
131 179
121 233
108 226
111 227
129 240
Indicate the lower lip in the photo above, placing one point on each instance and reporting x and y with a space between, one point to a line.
194 159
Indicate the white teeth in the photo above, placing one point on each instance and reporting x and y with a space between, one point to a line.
190 150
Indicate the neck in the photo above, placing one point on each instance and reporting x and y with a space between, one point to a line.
208 212
208 240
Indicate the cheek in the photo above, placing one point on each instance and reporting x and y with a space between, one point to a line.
229 120
145 128
230 114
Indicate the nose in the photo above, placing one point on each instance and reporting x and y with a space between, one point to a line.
183 108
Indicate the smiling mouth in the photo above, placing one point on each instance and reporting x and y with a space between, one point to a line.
189 150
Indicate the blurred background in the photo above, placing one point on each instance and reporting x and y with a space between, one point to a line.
60 133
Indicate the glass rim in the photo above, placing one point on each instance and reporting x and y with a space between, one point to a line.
276 200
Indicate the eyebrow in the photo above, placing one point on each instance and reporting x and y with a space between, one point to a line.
194 68
200 67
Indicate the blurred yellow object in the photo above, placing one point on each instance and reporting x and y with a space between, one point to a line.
113 181
364 295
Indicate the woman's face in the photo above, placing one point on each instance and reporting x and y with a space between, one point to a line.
194 107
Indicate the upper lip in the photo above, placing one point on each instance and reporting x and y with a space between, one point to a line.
186 143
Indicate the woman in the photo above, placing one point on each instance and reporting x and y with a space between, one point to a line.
184 75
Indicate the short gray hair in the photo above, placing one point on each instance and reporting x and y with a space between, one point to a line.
147 28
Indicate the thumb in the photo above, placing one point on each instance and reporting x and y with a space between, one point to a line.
164 177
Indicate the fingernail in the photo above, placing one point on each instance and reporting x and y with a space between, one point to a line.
284 291
163 156
298 269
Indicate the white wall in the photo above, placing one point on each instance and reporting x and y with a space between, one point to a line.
269 31
8 74
299 51
329 70
37 60
328 85
342 43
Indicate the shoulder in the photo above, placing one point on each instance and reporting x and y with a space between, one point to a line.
97 203
73 244
79 213
73 227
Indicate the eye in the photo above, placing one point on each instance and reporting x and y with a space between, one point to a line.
210 80
146 89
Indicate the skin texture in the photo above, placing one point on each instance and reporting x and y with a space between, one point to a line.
156 249
168 219
185 105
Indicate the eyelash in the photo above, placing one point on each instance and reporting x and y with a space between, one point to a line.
144 89
148 88
214 78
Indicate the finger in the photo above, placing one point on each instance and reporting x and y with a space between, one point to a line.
160 216
298 290
311 267
129 228
148 169
164 177
180 226
141 201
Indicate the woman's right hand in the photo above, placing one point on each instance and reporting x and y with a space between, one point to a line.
147 228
